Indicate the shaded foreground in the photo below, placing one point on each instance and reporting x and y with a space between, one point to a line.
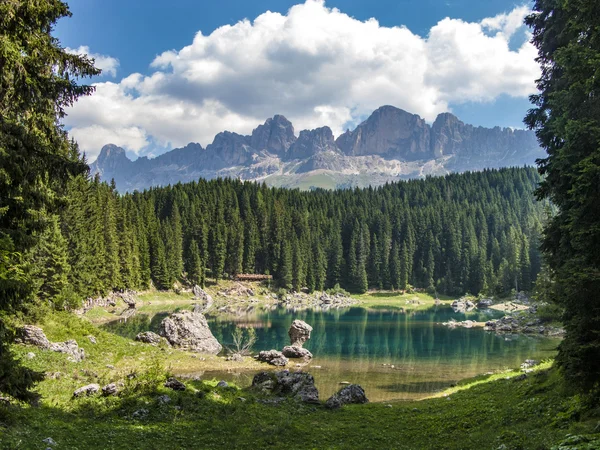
508 410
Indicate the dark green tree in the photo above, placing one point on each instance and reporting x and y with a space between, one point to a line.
38 80
566 118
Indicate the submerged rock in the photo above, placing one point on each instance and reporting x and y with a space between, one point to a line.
292 351
273 357
299 333
352 393
190 330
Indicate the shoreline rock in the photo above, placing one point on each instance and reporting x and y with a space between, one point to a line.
189 330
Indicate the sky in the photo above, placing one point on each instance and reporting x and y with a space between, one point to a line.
181 71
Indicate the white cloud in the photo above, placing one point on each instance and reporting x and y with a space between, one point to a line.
315 65
107 64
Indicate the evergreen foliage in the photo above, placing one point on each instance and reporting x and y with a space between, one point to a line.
566 118
38 80
441 234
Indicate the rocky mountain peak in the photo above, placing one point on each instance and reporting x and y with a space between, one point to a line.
276 135
110 159
311 142
390 132
229 149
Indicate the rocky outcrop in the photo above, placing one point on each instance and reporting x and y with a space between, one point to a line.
273 357
352 393
149 337
86 391
190 331
276 135
389 132
32 335
299 333
388 135
70 348
298 385
312 142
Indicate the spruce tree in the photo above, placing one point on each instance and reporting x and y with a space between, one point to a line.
566 118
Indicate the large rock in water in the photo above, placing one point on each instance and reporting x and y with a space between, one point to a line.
189 330
292 351
273 357
299 333
352 393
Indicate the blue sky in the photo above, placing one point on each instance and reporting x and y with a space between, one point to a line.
127 37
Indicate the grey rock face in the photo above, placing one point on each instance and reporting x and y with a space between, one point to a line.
292 351
275 135
175 384
190 330
312 142
148 337
352 393
383 147
273 357
389 132
299 333
299 385
86 391
33 335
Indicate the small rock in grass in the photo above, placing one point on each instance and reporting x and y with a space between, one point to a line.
92 339
30 355
352 393
109 389
163 399
222 384
49 441
86 391
175 384
241 399
140 413
110 366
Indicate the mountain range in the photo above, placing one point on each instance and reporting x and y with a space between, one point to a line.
391 144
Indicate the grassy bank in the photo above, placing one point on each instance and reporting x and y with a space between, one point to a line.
488 412
417 301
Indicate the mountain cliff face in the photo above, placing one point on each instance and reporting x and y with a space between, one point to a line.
391 144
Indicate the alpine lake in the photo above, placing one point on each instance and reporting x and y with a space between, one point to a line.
393 354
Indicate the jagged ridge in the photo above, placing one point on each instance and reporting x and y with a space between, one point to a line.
389 145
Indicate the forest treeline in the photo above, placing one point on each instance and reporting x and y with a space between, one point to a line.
463 233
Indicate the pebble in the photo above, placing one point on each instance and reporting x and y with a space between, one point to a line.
344 382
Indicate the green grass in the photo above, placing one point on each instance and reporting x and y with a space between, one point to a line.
488 412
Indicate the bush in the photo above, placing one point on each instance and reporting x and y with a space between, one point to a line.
337 290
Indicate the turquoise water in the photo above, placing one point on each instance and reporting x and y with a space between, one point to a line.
394 355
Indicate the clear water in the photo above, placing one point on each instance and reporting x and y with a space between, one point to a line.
394 355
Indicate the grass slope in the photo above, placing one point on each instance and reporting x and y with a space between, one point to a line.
486 413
